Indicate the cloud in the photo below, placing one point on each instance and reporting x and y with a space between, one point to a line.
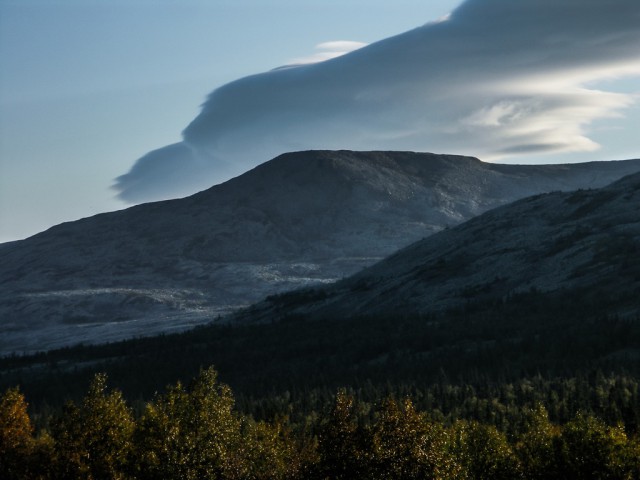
176 170
327 51
495 78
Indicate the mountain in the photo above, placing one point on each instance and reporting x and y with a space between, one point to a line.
445 86
300 219
583 244
536 302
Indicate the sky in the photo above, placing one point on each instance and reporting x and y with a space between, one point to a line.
104 104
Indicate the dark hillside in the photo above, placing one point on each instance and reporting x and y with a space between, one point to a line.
302 219
568 339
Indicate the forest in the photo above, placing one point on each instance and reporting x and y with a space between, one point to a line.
531 386
195 432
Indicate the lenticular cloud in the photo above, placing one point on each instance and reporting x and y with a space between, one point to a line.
495 78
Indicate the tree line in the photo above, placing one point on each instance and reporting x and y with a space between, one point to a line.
482 362
196 432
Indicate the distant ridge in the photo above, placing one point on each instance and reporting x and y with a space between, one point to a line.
300 219
583 244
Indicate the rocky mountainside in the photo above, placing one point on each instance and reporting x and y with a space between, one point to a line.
584 243
301 219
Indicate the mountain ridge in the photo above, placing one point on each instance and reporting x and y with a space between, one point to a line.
587 240
303 218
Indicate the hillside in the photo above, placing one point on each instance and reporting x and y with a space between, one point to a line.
301 219
560 328
586 241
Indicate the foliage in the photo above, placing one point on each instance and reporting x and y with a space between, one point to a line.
195 432
340 446
271 452
568 353
94 440
405 444
488 391
485 452
16 434
189 434
536 447
589 449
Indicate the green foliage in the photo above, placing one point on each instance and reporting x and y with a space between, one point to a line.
271 452
536 446
589 449
501 382
485 452
486 361
340 444
196 433
190 433
406 445
94 440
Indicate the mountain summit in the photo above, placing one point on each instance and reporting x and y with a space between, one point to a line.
300 219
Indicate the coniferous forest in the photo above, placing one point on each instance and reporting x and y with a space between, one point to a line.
196 432
532 386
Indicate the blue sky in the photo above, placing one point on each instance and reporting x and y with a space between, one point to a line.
88 86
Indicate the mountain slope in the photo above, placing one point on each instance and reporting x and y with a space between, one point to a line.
300 219
585 242
533 300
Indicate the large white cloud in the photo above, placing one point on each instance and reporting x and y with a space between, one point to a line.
495 78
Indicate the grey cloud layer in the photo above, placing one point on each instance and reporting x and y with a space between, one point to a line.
499 77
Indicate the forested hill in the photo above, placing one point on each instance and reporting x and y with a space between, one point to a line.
302 218
585 241
570 345
516 385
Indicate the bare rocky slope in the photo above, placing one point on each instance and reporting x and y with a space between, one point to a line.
584 243
301 219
